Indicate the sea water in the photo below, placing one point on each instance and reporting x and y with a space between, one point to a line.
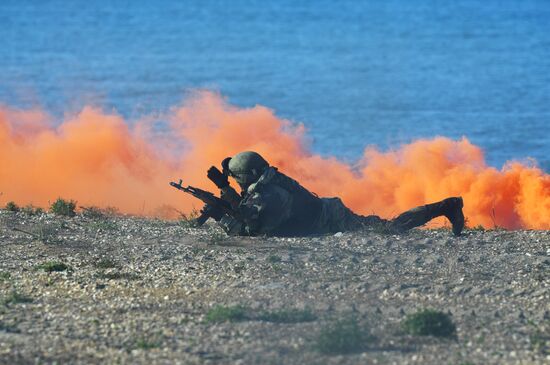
355 73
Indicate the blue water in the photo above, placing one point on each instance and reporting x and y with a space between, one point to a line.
354 72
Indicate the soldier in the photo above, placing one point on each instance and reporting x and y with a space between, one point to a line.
273 204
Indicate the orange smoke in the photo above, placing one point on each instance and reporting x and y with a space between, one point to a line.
101 159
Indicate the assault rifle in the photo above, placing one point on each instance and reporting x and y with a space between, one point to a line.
213 206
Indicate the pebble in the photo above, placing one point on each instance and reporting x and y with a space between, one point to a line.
151 305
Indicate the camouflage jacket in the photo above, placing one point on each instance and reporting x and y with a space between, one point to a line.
279 206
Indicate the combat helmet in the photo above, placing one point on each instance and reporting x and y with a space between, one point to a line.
247 167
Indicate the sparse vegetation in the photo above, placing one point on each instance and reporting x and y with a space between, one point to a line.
479 228
429 322
274 259
93 212
189 220
104 224
63 207
196 250
540 337
12 207
144 340
53 266
32 210
381 228
288 316
105 263
111 211
239 268
181 278
159 223
540 342
15 298
222 313
147 344
343 337
8 327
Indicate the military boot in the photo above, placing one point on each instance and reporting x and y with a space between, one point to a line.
451 208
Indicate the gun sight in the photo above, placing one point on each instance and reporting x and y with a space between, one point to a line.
177 185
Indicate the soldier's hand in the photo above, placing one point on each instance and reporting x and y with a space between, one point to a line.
216 176
225 165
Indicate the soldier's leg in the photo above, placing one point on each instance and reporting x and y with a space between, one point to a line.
451 208
339 218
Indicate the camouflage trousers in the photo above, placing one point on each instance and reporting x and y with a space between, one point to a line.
336 217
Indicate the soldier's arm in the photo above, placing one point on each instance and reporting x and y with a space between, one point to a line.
231 196
264 211
222 182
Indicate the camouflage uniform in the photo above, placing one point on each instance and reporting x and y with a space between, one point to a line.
276 205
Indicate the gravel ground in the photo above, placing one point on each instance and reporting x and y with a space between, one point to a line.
142 291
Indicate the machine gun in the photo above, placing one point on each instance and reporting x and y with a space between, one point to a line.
213 206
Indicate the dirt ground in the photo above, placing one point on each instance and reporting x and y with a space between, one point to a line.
145 291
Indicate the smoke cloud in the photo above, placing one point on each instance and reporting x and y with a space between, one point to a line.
100 159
